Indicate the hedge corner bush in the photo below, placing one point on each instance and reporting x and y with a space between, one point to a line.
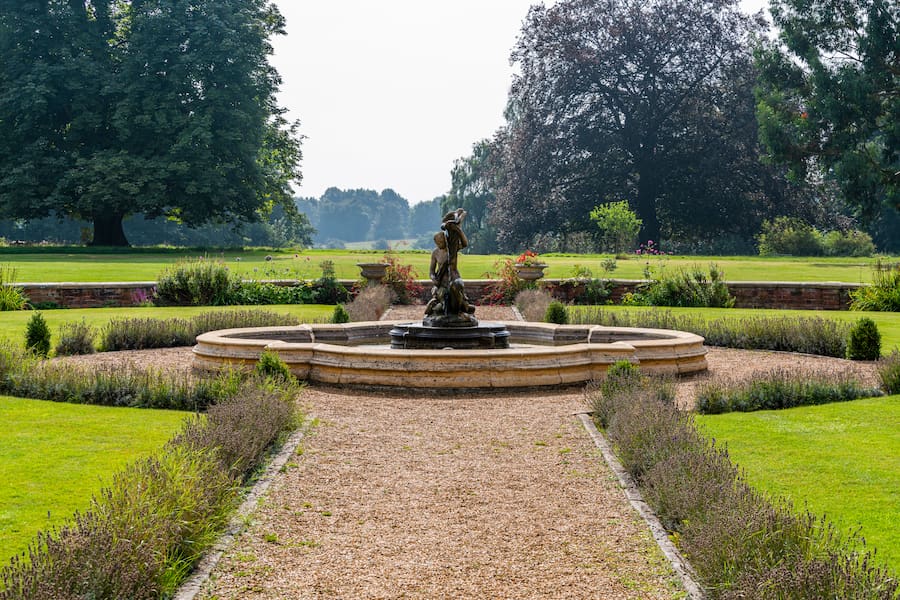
37 335
864 342
143 534
740 543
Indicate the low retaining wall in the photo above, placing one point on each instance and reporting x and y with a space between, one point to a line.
747 294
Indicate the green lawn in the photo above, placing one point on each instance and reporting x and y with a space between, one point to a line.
13 323
54 457
80 265
841 460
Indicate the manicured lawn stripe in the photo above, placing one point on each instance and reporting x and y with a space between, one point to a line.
146 266
54 457
840 460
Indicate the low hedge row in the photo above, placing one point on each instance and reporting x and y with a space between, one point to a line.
142 535
740 543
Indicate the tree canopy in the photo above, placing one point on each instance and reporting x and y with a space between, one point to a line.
160 107
649 101
829 96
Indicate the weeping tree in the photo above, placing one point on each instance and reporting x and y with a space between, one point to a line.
162 107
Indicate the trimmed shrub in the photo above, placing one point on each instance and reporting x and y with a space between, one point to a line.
199 282
11 297
779 389
740 543
557 313
688 287
790 235
864 342
889 372
328 289
370 303
271 365
37 335
340 315
809 335
76 337
884 292
532 304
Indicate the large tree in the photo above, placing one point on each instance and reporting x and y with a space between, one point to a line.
160 107
471 189
609 94
829 97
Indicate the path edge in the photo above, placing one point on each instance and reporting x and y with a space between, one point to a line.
679 564
193 585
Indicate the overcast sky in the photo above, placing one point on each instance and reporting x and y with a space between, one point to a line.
390 93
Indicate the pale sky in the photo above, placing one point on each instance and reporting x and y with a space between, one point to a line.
390 93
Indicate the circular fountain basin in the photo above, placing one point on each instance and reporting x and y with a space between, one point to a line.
539 354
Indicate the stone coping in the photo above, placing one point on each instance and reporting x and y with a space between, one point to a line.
357 354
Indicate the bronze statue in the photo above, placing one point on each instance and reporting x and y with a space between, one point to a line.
449 306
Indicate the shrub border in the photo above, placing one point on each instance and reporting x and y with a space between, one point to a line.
679 563
202 572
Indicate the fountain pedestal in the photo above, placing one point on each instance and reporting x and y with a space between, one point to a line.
422 336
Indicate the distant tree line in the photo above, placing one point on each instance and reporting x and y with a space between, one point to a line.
343 216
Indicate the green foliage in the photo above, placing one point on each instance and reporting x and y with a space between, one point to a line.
471 188
618 223
810 335
506 285
827 96
889 372
864 342
556 313
261 292
791 236
848 243
884 292
76 337
37 335
778 389
688 287
340 315
11 297
200 282
328 289
93 126
738 541
144 533
401 279
144 333
271 365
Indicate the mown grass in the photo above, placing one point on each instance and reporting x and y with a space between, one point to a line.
54 457
79 265
840 460
888 323
13 323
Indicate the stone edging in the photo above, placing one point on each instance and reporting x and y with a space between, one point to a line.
679 564
194 584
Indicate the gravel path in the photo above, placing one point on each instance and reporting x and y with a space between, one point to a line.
408 496
404 495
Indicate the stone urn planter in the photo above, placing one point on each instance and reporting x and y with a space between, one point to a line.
531 272
373 272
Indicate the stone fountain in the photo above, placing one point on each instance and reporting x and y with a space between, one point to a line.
449 349
449 322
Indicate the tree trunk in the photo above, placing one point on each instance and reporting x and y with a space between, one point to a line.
108 230
647 192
